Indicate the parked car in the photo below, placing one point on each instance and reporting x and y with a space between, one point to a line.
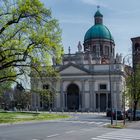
137 114
120 114
130 114
108 112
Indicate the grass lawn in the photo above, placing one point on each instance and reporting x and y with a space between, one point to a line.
119 126
12 117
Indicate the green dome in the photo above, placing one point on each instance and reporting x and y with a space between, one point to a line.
98 31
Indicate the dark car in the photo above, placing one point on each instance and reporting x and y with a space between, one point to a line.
137 114
108 112
131 113
119 114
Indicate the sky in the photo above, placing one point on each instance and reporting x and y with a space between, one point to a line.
122 17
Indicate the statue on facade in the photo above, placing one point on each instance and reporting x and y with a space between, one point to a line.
90 58
79 47
118 58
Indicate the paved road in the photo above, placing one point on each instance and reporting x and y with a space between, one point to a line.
51 130
95 119
81 127
123 134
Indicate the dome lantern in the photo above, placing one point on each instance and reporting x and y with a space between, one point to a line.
98 17
98 39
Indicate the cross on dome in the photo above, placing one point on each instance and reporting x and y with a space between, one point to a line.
98 7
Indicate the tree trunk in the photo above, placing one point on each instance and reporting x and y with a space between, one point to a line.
135 108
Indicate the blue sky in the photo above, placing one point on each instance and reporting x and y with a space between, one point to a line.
122 17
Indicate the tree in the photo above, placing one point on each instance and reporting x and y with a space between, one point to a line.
5 86
29 37
133 82
46 99
22 99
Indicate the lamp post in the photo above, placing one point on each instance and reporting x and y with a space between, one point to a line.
110 95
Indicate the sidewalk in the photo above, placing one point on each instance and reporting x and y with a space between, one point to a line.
133 124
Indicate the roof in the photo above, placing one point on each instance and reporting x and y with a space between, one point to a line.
98 31
98 14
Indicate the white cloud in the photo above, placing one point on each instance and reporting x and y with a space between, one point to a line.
95 2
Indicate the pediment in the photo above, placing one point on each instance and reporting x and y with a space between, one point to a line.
71 69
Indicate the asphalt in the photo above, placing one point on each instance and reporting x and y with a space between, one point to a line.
82 126
133 124
76 116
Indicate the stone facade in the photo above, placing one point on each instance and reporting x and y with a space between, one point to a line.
91 79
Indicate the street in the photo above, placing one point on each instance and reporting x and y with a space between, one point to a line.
83 126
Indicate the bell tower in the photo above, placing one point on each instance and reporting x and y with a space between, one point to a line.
135 51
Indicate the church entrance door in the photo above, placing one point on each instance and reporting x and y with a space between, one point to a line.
102 102
73 97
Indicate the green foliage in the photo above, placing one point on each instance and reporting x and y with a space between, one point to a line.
133 84
22 99
137 82
29 38
3 87
46 97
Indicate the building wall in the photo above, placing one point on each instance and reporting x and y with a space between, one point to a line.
88 85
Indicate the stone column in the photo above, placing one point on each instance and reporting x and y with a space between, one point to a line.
65 100
90 94
94 96
106 100
112 92
80 100
119 95
98 102
83 95
62 95
53 87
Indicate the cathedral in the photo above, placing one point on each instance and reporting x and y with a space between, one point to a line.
91 79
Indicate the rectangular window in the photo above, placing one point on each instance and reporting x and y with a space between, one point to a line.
106 50
97 51
102 86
